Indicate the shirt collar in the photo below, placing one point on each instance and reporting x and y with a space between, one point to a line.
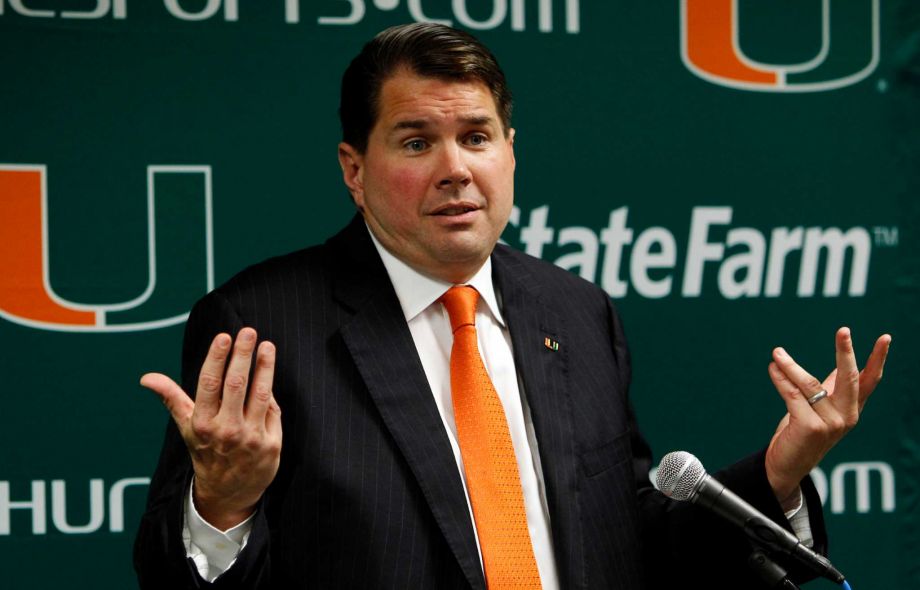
417 291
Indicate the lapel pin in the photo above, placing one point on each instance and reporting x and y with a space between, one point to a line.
551 344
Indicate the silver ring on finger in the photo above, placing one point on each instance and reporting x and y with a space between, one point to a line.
817 397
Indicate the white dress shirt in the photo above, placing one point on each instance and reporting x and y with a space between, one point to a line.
430 327
215 551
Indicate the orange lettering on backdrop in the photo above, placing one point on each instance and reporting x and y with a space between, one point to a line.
709 30
22 288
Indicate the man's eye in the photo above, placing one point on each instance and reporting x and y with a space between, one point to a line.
416 145
476 139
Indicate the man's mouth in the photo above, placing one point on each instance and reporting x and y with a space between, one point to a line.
455 209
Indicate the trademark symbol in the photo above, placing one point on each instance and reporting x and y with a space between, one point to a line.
886 237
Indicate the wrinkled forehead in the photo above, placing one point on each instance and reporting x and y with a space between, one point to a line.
409 100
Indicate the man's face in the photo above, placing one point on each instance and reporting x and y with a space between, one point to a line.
436 183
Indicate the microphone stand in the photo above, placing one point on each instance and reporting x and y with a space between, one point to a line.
770 572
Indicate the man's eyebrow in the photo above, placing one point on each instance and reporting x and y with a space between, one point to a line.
477 120
411 124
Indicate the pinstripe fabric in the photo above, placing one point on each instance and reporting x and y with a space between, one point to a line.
368 494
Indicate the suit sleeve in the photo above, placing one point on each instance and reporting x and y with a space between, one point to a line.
159 551
682 542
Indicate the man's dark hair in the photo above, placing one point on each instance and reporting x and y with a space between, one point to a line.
427 49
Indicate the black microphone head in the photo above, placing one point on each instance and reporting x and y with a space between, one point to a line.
679 474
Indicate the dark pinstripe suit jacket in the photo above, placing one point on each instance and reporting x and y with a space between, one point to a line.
368 494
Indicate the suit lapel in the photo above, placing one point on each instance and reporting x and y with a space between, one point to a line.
381 345
540 356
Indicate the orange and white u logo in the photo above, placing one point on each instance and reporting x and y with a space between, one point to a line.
711 48
26 296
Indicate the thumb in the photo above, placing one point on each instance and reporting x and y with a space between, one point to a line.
179 404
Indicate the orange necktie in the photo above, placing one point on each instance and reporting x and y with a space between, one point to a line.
492 478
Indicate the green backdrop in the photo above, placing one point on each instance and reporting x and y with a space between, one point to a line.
737 174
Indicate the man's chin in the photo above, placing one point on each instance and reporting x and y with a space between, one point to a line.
467 247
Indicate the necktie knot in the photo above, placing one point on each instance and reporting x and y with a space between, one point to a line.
460 303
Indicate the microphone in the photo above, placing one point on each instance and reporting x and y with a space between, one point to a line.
681 477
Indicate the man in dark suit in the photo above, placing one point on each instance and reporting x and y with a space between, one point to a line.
373 485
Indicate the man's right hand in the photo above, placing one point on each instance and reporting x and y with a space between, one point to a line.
234 439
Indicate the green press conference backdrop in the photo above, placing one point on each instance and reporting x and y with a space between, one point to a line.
736 174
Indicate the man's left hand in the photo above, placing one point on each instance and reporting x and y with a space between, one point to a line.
808 431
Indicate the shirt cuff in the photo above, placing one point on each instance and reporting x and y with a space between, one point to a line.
213 551
798 519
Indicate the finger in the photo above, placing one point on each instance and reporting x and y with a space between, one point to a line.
806 383
830 382
178 403
260 393
237 377
211 377
872 373
273 420
846 385
789 391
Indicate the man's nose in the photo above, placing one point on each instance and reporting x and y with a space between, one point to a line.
454 169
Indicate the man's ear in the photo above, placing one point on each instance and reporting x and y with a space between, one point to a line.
352 163
511 145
